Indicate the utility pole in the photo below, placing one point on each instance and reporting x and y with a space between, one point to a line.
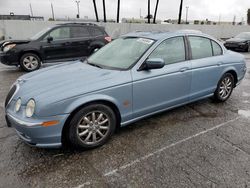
180 10
78 15
96 13
52 10
104 11
149 11
31 11
187 14
156 7
219 18
234 20
118 11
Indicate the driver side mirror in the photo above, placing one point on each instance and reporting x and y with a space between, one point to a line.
153 63
49 39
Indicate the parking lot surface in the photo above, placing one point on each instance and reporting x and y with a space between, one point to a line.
203 144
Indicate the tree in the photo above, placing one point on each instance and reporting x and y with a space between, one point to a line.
248 16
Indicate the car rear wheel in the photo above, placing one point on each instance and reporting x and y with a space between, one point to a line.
92 126
30 62
224 88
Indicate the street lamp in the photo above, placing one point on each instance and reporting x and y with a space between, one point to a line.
187 14
78 15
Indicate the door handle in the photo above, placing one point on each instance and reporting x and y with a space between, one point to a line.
183 69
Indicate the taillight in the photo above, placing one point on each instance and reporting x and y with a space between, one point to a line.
109 39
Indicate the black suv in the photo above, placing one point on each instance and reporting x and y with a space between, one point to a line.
62 42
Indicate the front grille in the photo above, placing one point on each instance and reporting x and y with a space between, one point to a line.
10 95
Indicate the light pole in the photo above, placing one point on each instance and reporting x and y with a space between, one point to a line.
52 11
180 10
78 15
187 14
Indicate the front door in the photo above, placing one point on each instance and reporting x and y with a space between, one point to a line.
158 89
60 46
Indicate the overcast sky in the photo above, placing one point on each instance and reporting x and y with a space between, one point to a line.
198 9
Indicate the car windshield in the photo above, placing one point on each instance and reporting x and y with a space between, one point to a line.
243 36
40 33
121 53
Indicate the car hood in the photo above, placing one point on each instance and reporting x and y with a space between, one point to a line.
4 42
236 40
68 80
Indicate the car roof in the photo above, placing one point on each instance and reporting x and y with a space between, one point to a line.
158 35
77 24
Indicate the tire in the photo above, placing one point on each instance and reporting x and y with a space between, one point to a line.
88 131
224 88
30 62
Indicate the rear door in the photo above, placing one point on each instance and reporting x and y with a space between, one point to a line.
80 41
207 60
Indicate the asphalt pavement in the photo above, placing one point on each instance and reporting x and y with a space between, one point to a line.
203 144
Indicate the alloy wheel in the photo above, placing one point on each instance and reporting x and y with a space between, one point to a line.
226 87
93 127
30 62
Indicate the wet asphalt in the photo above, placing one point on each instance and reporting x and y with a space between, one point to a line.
203 144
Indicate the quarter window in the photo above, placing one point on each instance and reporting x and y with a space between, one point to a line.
171 50
77 32
201 47
216 48
95 31
60 33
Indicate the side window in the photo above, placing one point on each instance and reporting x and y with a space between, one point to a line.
201 47
60 33
77 32
95 31
171 50
216 48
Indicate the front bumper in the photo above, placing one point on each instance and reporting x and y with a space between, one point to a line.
9 58
33 133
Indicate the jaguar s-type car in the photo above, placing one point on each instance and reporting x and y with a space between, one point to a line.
135 76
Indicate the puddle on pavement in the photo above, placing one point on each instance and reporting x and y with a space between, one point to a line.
245 113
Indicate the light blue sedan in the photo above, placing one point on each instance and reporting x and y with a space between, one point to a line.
133 77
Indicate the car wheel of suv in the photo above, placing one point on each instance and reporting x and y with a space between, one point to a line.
224 88
92 126
30 62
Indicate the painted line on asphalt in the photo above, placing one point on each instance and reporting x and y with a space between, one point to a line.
112 172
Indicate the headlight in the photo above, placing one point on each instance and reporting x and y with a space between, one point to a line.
8 47
18 105
30 108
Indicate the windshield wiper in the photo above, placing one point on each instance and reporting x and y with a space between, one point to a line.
93 64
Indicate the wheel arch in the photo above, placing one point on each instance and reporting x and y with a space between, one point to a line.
232 71
109 103
29 51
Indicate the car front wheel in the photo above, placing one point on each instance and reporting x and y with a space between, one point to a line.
92 126
224 88
30 62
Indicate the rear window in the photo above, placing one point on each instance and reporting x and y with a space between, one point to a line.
96 31
77 32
